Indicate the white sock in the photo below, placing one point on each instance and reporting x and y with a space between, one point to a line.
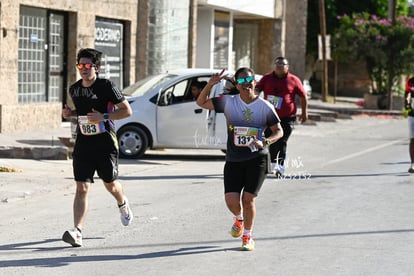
239 217
247 232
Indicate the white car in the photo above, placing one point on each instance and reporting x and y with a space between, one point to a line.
165 115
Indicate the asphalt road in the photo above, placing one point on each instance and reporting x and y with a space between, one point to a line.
344 208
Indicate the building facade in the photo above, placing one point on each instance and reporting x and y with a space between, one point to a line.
220 34
39 41
38 45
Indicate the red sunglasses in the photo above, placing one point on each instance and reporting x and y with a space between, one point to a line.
85 65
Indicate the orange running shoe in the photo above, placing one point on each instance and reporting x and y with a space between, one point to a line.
237 228
248 243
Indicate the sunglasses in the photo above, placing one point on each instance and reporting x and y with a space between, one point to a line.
248 79
279 63
85 65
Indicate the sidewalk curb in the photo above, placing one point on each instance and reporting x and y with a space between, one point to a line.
37 153
357 111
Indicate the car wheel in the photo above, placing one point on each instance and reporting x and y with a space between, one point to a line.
133 142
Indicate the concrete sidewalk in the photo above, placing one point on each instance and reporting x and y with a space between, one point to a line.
349 105
39 144
45 143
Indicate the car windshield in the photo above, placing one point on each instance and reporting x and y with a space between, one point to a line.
145 85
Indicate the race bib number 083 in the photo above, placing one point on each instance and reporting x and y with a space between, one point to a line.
90 128
244 135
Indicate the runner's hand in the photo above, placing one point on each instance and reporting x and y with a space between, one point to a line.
66 112
95 116
216 78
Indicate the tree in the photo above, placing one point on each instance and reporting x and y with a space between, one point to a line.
386 49
380 8
340 7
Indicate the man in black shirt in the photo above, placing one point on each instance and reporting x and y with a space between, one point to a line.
96 145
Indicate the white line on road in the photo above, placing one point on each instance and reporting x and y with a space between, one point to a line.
363 152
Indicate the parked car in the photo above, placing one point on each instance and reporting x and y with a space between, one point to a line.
165 115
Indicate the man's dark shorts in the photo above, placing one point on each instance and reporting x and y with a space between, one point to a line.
85 165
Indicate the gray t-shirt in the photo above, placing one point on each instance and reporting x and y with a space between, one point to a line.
244 123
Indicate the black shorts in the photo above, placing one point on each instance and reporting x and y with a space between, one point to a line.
85 165
246 175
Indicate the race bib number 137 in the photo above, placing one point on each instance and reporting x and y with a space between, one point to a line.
244 135
90 128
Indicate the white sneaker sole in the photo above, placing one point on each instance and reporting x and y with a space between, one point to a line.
67 237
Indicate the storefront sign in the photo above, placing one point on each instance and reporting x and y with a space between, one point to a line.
109 40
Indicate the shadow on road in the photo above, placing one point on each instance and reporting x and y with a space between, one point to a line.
172 176
358 175
185 248
176 155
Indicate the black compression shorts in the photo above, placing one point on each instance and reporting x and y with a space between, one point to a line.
248 175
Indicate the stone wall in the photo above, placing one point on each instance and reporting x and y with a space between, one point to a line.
352 79
9 39
17 117
295 45
284 36
81 31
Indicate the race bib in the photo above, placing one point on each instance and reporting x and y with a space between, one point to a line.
90 128
243 136
275 101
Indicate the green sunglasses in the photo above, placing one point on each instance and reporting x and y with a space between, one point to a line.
248 79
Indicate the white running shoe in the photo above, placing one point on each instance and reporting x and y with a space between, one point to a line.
248 243
280 171
126 213
73 237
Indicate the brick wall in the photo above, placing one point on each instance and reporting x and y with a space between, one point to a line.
81 31
17 117
295 45
284 36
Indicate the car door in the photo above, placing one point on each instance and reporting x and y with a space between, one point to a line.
216 122
181 123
